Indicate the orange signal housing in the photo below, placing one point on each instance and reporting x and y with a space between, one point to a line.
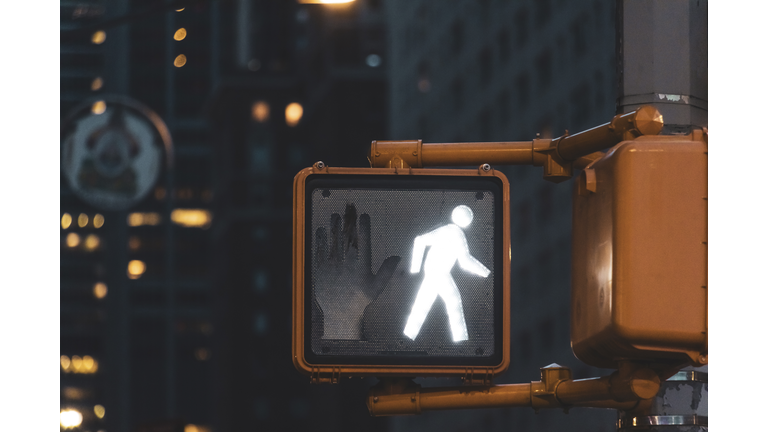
639 254
331 373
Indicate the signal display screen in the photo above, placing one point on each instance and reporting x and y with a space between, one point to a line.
403 270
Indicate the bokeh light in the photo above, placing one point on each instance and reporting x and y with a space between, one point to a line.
99 107
70 418
99 411
136 268
66 220
98 37
180 60
82 220
100 290
180 34
97 84
293 113
65 363
260 111
98 221
192 218
73 240
92 242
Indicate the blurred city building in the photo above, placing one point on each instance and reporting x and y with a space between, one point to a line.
497 70
175 314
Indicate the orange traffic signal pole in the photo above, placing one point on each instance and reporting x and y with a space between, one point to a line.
632 385
558 156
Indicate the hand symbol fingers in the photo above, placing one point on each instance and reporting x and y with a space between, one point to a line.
364 244
349 235
321 242
337 245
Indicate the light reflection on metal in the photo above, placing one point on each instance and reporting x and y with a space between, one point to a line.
448 245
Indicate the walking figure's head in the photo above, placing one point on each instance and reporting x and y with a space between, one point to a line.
462 216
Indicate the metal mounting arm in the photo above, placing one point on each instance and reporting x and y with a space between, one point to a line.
558 156
624 389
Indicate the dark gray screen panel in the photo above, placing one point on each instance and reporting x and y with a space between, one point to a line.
361 303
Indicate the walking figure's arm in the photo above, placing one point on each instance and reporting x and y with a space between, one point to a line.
470 263
419 244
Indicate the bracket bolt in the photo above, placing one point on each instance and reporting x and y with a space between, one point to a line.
486 167
320 164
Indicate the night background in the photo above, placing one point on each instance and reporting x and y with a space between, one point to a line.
175 313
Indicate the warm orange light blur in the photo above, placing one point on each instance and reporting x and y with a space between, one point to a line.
73 240
66 220
100 290
180 34
70 418
260 111
139 219
202 354
192 218
98 107
325 1
99 37
97 83
98 221
136 268
179 10
77 363
82 220
159 193
87 364
191 428
99 411
293 113
180 60
92 242
134 243
65 363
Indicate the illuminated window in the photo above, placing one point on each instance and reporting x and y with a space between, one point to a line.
66 220
100 290
139 219
98 37
448 245
70 418
260 111
293 113
192 218
180 60
73 240
136 268
99 411
97 84
98 107
180 34
98 221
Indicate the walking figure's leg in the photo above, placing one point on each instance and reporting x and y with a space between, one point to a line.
452 298
421 306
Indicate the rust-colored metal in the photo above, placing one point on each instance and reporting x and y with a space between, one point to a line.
332 373
624 389
639 271
558 156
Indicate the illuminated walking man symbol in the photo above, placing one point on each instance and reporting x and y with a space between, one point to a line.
448 244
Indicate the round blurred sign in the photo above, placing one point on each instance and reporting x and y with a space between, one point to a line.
112 151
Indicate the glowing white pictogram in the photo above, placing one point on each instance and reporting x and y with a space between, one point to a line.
448 245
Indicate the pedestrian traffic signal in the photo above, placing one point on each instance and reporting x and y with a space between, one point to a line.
639 272
401 272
